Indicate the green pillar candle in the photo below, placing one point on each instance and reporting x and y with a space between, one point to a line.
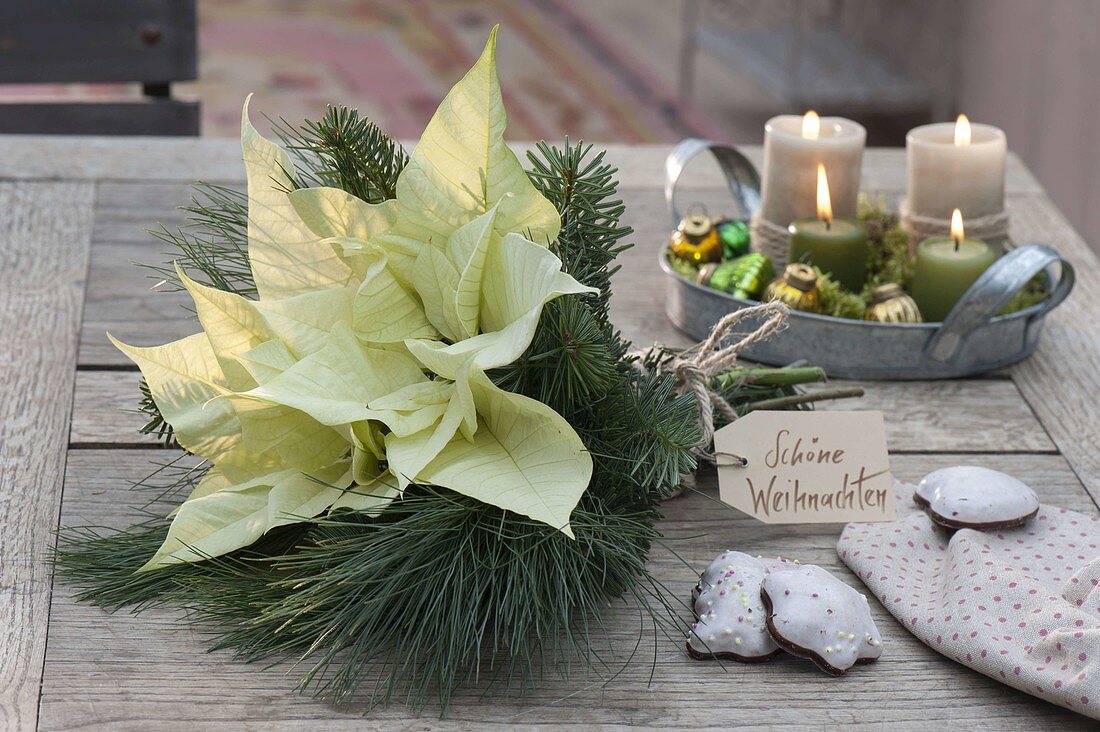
838 248
944 270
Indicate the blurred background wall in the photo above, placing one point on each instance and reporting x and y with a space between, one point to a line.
654 71
611 70
1033 68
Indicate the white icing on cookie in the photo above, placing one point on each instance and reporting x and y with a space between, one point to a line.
779 564
972 497
729 610
814 615
721 564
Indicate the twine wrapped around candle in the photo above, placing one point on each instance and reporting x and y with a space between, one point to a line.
992 229
696 366
771 239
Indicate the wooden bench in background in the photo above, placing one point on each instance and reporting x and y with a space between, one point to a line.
151 43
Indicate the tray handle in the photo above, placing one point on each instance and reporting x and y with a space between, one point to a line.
995 289
741 175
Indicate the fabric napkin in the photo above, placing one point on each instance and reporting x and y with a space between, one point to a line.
1019 605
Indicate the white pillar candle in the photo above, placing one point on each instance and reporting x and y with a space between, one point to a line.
793 148
956 165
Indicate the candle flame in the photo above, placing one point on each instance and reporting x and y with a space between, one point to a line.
824 204
957 232
962 130
811 125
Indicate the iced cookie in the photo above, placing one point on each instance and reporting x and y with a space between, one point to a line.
730 615
716 570
812 614
966 497
724 563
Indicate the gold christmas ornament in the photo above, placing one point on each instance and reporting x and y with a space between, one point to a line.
797 288
889 304
696 240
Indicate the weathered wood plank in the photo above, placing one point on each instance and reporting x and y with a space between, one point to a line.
1062 380
44 240
104 410
119 298
954 416
125 673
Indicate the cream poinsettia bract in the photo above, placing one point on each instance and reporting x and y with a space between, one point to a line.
361 367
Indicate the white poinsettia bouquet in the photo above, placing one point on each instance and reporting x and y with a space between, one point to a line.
405 371
362 366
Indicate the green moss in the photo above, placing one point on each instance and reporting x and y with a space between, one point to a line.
682 267
888 244
838 302
1034 292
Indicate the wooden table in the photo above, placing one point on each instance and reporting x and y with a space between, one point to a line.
72 214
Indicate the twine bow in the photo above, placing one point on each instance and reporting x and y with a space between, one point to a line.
696 366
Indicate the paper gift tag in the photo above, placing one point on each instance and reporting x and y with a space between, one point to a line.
806 467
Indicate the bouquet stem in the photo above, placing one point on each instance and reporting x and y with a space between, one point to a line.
795 400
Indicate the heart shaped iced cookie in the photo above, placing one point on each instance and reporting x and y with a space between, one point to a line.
812 614
730 614
968 497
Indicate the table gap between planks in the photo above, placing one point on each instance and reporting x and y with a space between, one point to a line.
72 218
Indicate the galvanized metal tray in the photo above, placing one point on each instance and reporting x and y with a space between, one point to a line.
971 340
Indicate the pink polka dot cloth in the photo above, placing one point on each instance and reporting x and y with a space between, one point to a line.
1019 605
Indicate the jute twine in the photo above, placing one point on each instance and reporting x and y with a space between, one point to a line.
771 239
696 366
992 228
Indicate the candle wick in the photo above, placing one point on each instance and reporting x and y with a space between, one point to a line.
828 224
956 240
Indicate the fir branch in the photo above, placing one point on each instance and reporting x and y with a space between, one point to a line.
434 594
345 151
576 352
569 361
642 434
583 188
102 565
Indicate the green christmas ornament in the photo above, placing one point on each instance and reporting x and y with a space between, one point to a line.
744 277
734 235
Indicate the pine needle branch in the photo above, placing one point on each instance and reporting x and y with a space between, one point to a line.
345 151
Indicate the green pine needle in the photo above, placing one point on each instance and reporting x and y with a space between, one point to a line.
345 151
212 247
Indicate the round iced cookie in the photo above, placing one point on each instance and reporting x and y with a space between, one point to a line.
968 497
730 615
812 614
